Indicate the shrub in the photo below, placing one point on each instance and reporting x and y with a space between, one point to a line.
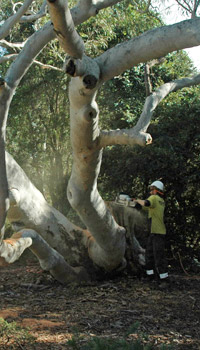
13 335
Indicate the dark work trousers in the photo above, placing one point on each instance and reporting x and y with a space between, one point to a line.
155 255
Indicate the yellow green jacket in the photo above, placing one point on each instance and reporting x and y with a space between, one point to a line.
156 214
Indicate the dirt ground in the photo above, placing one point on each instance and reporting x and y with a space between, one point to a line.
53 312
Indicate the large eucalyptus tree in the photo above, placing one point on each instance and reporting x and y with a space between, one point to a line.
59 245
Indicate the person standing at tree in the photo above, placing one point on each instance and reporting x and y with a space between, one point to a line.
156 265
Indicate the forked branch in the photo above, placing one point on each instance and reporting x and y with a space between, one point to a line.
137 134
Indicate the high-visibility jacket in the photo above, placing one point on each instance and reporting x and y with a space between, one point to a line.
156 214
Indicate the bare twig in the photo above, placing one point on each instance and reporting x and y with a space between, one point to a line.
180 260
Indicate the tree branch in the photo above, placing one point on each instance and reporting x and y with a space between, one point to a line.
5 43
5 96
64 28
124 137
153 100
10 22
7 58
28 208
11 249
196 5
49 259
34 17
26 57
137 134
47 66
147 80
147 76
152 44
12 57
186 7
88 8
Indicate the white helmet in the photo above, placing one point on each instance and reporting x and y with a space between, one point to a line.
158 184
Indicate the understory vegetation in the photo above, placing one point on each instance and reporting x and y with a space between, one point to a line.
13 336
141 342
16 337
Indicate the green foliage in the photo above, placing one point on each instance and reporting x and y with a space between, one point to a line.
115 24
124 96
6 10
178 146
14 335
176 65
126 343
